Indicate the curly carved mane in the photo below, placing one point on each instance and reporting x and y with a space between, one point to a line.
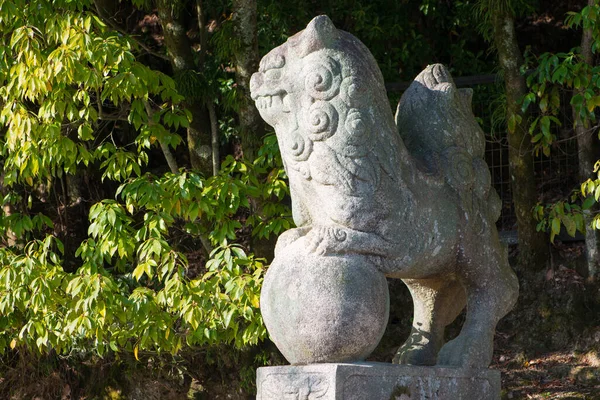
340 108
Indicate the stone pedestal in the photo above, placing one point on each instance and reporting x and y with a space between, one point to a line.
376 381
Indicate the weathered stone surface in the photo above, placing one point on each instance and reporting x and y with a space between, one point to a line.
411 199
324 308
376 381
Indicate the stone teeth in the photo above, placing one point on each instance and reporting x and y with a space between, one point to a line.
285 102
266 101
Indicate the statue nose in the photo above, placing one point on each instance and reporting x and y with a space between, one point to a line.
256 82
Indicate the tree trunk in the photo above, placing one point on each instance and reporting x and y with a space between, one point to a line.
181 56
533 246
247 58
215 138
589 151
202 31
9 238
252 127
76 219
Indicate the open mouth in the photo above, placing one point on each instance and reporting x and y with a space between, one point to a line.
263 102
279 100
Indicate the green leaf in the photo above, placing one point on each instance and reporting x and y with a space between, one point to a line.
528 99
555 225
139 271
577 100
545 127
569 224
227 317
588 203
544 103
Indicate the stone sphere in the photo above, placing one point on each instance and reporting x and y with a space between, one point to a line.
321 309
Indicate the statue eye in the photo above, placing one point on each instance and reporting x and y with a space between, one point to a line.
272 61
273 74
277 62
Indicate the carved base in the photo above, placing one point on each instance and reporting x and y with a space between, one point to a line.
376 381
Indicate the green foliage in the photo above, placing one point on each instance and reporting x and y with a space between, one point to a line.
591 189
553 75
587 18
486 10
76 101
404 38
154 306
65 71
133 290
552 217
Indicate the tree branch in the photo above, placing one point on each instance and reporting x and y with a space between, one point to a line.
107 117
111 117
164 147
106 18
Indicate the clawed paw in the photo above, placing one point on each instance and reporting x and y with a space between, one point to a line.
324 240
415 355
419 349
287 238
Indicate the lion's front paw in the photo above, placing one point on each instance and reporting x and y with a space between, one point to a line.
419 349
288 237
415 355
326 240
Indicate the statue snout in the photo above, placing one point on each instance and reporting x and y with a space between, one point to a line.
256 81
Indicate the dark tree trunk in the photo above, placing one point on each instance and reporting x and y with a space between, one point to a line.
180 54
533 246
252 127
247 58
75 218
179 51
215 138
589 151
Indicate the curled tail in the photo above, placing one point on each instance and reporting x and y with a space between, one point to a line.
436 123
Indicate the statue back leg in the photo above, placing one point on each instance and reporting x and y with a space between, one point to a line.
437 302
492 290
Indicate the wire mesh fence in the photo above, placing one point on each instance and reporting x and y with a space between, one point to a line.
556 175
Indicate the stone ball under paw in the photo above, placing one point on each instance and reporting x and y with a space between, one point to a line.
321 309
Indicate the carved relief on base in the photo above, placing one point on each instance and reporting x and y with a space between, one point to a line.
310 386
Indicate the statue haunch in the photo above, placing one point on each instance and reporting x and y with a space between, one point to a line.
373 197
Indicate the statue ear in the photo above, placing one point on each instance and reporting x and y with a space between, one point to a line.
319 34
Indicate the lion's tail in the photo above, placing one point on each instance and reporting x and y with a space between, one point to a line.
436 122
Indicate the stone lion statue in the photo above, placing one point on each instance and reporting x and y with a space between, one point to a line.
408 198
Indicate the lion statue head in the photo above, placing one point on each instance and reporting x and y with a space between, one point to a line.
322 90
